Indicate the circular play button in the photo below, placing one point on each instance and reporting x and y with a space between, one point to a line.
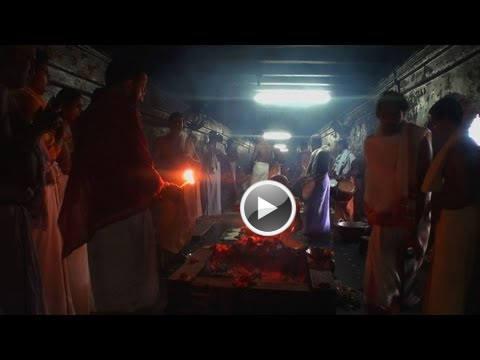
268 208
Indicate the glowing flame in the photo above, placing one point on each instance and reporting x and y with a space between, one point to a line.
188 177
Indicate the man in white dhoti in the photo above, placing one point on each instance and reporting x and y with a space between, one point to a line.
454 173
213 178
262 158
110 190
397 156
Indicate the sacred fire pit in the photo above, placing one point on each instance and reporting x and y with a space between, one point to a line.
253 275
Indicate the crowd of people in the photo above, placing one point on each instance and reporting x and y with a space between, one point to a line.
84 205
391 188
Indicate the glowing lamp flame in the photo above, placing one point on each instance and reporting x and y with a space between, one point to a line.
188 177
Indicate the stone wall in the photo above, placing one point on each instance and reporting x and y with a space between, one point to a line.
424 78
83 68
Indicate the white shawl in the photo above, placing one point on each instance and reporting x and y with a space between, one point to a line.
433 179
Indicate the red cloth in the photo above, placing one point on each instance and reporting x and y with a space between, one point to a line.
112 176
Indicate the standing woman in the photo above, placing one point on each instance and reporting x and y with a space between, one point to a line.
317 217
60 143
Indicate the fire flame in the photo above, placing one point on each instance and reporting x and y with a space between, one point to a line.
188 177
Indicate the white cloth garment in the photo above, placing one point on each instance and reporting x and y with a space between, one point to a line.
259 172
49 244
214 194
123 265
173 223
390 166
312 165
343 162
454 257
390 190
233 169
212 179
78 269
433 178
383 270
455 245
343 165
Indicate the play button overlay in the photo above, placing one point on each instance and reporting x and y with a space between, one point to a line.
264 208
268 208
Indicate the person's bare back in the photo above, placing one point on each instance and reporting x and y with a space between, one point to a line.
263 153
462 175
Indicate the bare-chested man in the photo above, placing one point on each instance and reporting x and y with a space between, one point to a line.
111 188
261 159
454 173
397 156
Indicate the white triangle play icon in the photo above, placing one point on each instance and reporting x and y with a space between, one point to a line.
264 208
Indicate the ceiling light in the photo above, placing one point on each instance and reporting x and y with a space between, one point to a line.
474 130
293 84
311 62
292 97
299 75
276 135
